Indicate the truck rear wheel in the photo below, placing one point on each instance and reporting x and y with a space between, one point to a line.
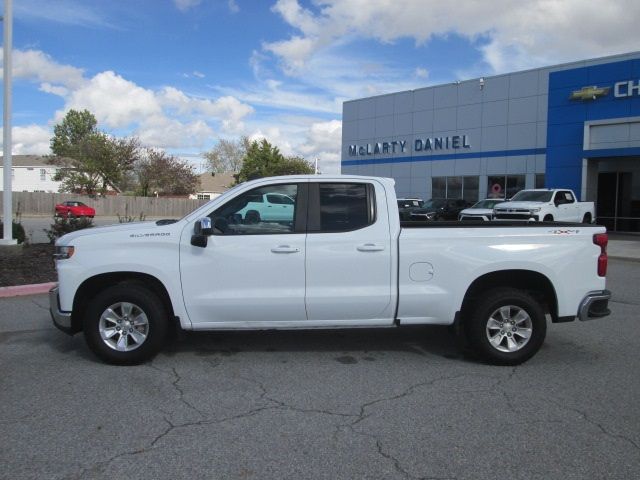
506 327
125 324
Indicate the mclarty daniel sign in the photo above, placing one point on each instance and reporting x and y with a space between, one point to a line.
453 142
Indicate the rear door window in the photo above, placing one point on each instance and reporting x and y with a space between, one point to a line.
341 207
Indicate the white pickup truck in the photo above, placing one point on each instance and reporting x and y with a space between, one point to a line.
341 260
545 205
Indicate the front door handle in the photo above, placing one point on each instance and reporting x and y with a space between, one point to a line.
370 247
285 249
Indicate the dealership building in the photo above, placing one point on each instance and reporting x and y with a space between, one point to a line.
575 125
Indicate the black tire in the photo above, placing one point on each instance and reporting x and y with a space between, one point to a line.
252 217
586 218
548 218
481 323
144 301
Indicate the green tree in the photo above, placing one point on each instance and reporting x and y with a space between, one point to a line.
72 131
295 166
265 160
164 174
227 155
91 160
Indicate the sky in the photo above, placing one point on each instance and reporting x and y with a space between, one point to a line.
183 74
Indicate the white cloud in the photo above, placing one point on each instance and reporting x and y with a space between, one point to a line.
116 102
30 139
163 132
37 66
184 5
511 35
233 6
323 141
307 137
66 12
166 117
421 72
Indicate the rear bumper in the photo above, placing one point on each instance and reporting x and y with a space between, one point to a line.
594 305
61 320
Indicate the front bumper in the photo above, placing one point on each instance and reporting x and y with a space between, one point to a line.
518 217
594 305
61 320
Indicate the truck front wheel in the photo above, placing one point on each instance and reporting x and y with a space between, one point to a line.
506 327
125 324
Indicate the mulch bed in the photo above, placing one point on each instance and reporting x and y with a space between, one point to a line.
27 264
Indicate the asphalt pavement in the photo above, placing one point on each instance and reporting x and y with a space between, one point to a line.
346 404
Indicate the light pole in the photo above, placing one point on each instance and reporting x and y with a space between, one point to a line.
7 217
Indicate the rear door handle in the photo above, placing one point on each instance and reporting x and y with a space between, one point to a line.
285 249
370 247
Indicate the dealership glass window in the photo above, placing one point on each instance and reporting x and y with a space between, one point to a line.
456 187
539 180
515 183
505 186
470 189
438 187
496 187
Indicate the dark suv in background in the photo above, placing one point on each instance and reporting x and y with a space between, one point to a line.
439 209
408 205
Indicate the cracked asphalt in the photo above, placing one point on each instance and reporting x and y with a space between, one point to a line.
348 404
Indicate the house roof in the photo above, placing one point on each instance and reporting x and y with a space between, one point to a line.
216 183
29 161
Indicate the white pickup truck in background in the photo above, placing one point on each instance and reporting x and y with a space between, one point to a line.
545 205
341 258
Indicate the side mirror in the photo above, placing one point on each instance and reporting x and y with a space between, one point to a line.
201 230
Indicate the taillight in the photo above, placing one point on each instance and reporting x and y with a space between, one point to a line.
602 239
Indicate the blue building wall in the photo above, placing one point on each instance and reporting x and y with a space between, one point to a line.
566 118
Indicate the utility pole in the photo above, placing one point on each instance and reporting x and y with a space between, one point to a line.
7 216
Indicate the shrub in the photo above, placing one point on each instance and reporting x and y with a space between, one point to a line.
63 225
18 231
128 218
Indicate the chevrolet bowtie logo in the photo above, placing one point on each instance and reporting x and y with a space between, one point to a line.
589 93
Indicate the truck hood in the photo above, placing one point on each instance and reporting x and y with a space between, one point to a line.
520 205
144 229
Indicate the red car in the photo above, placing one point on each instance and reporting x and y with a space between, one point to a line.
73 209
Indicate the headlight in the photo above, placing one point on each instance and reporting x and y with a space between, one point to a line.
535 210
62 253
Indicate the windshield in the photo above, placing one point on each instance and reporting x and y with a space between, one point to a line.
435 203
410 203
486 203
532 196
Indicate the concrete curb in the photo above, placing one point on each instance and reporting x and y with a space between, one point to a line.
21 290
